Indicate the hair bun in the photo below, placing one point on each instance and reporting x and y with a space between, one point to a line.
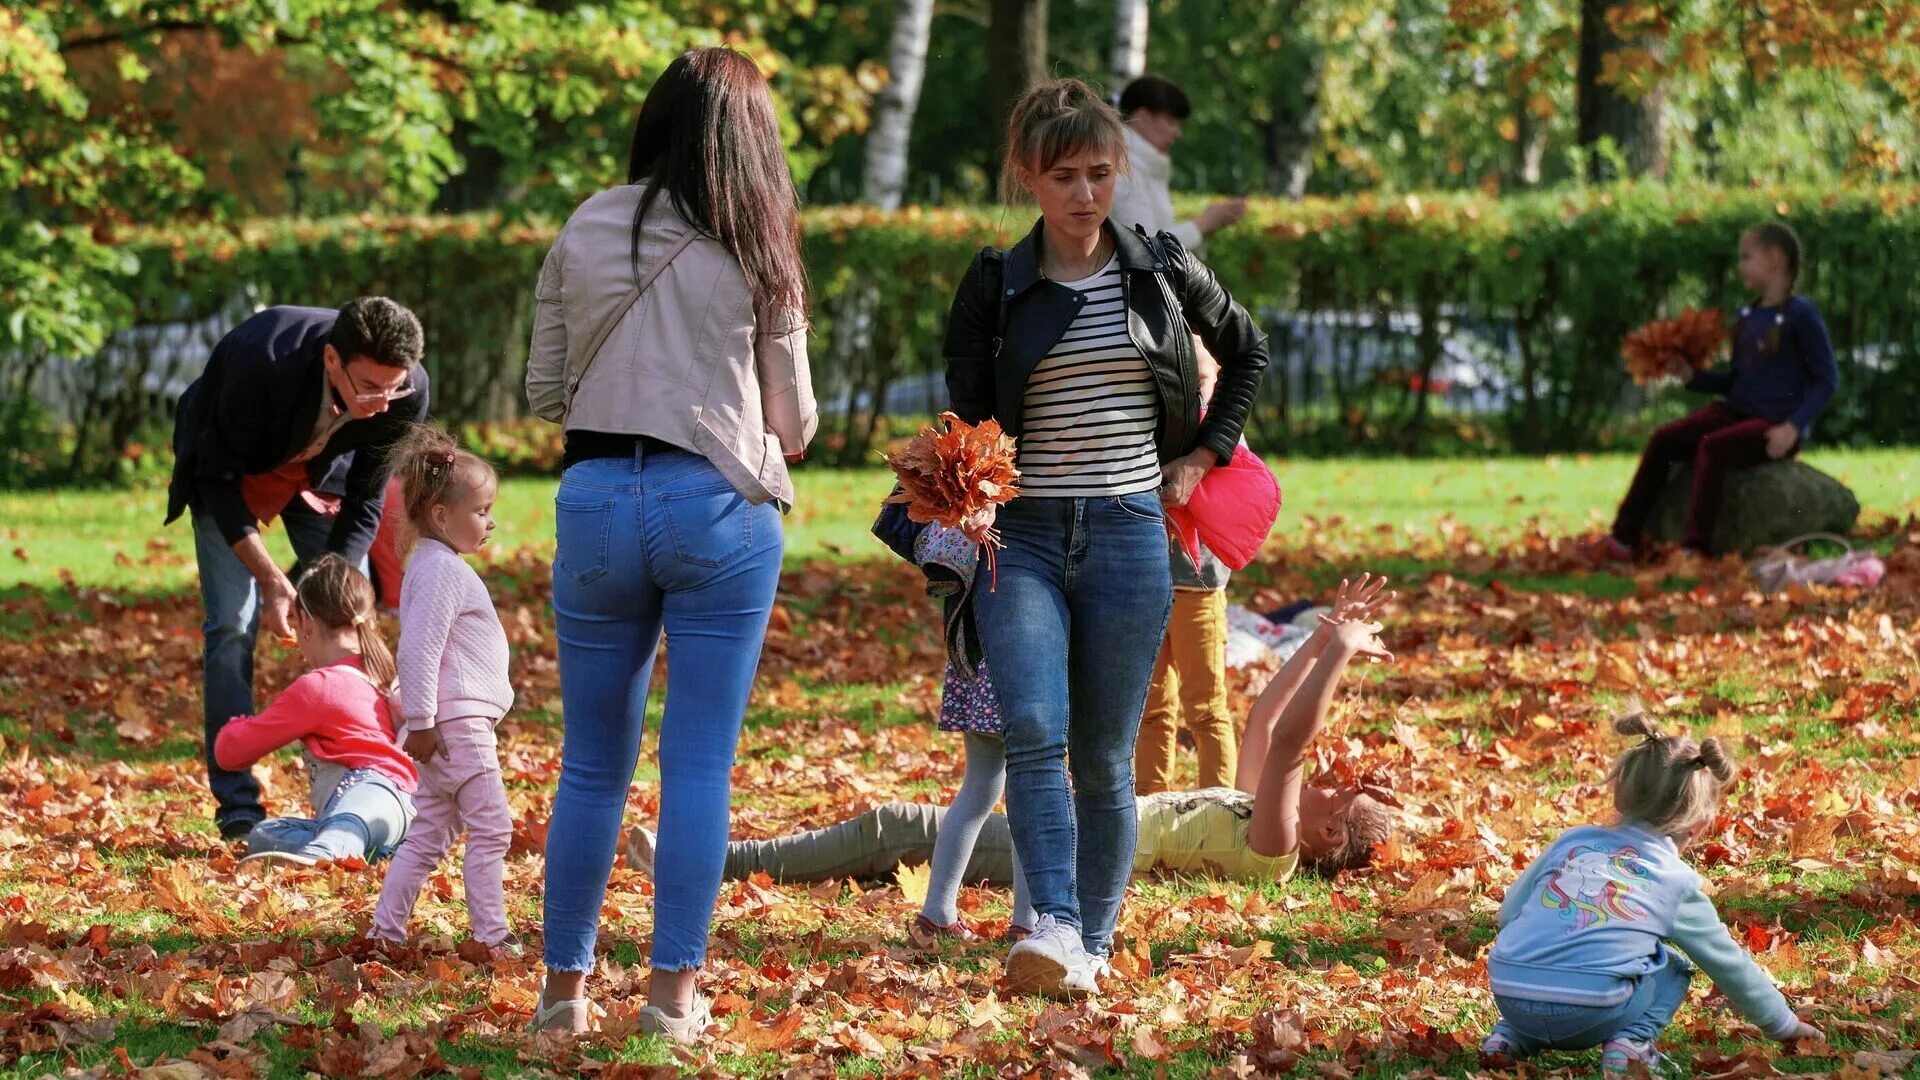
1636 722
1714 759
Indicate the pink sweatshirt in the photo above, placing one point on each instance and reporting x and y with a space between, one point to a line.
336 712
453 651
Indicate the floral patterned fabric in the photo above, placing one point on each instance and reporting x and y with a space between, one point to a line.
968 704
938 545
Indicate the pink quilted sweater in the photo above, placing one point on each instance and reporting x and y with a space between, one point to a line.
453 651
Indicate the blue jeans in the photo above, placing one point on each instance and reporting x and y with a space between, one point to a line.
656 541
366 817
231 600
1072 629
1533 1026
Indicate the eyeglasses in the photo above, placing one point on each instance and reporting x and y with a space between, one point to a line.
361 398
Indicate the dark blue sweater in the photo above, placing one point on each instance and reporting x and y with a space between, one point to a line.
1785 376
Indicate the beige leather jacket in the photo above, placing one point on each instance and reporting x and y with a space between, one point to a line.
689 362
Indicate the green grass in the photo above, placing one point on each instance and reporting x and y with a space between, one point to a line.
102 537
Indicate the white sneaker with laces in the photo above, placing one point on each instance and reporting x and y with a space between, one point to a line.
1050 961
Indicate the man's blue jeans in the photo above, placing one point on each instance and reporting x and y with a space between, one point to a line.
231 600
1072 629
656 541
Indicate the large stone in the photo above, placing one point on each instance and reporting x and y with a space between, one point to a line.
1765 506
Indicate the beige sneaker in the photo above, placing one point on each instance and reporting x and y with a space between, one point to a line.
686 1030
568 1014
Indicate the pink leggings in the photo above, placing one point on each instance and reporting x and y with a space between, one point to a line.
463 788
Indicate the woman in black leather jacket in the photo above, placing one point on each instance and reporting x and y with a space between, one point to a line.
1079 341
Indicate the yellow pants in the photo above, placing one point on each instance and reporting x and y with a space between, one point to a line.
1191 678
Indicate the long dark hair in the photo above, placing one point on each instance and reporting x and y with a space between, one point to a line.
708 137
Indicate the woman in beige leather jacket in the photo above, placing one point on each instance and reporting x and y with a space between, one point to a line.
670 343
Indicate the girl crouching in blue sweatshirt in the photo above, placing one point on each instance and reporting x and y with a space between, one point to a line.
1583 956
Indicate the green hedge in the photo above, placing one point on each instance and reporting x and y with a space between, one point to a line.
1558 277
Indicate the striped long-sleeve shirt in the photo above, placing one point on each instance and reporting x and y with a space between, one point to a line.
1091 406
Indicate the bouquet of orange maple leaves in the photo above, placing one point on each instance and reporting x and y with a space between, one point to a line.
1674 348
954 473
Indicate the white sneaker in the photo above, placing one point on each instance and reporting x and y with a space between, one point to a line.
1050 961
686 1030
1085 979
282 858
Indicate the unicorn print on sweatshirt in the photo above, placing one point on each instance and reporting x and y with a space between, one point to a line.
1595 886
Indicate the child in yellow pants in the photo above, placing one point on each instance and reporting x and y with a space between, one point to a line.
1191 677
1189 682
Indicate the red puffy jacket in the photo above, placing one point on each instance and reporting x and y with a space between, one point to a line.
1231 512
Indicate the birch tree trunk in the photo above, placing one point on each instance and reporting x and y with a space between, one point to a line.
1129 42
886 168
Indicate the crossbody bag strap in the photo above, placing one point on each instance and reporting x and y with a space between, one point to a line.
620 312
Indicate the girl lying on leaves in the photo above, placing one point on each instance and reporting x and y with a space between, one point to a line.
1260 829
362 783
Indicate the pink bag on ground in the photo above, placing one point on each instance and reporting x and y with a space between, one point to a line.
1780 568
1231 512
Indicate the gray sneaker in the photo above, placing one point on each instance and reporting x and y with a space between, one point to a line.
1050 961
686 1030
1619 1056
640 850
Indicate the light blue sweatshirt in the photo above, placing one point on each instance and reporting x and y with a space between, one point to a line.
1588 918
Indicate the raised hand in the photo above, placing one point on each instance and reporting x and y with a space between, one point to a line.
1360 638
1361 601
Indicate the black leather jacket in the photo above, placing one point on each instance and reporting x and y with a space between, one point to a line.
1006 317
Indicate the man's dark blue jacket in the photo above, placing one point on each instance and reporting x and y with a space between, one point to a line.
256 406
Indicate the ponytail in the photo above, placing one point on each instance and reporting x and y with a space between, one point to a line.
433 470
1667 781
335 594
375 657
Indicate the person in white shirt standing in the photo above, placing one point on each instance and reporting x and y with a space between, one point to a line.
1155 109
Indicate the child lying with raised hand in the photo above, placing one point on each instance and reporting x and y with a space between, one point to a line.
362 784
1582 959
1261 829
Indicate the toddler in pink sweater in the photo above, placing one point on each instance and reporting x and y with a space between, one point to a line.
453 689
